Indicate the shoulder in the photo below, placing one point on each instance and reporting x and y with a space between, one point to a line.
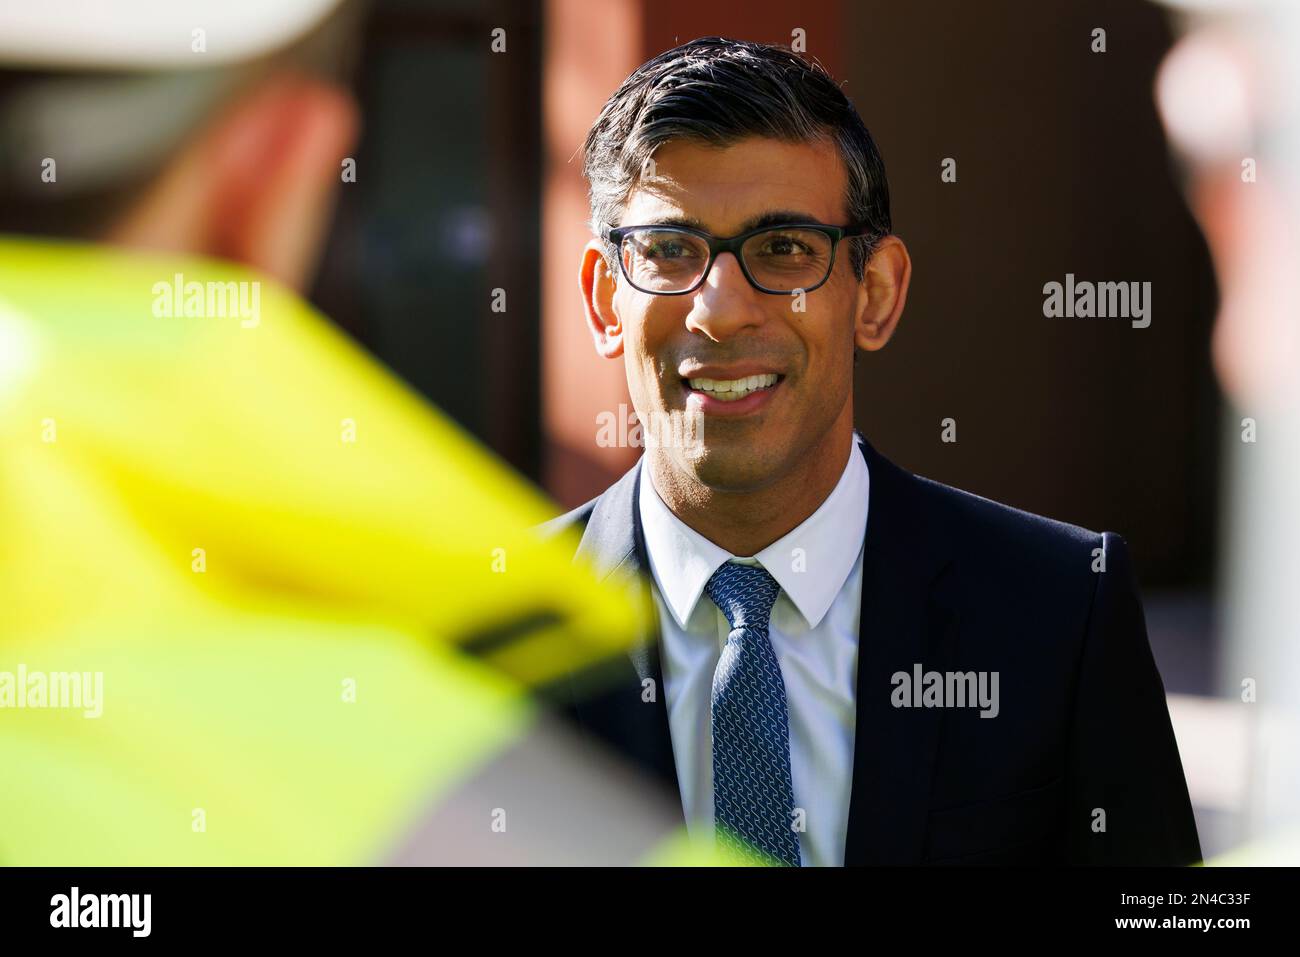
1025 575
988 520
612 506
999 543
576 518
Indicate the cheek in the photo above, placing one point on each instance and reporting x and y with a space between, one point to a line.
828 337
633 324
647 333
654 327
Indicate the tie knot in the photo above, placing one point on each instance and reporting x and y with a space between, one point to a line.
745 593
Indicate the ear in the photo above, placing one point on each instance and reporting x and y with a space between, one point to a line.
882 294
598 283
255 184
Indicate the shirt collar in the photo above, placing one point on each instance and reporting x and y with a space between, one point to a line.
829 541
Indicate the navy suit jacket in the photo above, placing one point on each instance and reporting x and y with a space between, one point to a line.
1079 766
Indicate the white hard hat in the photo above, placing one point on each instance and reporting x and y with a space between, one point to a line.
150 34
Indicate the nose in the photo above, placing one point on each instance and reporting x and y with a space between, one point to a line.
726 303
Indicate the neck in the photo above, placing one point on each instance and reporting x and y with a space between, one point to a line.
746 522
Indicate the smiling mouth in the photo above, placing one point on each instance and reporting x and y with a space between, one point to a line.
732 390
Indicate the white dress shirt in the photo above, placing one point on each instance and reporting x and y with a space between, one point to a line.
814 631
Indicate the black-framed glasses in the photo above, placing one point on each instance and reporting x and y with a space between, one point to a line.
780 260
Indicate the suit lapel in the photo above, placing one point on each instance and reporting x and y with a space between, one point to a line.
908 617
614 544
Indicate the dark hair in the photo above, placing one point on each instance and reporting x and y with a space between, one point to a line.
718 91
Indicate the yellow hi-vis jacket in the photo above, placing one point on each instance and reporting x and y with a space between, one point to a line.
237 559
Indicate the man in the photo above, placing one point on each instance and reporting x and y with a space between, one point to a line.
853 664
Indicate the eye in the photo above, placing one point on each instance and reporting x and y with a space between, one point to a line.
667 247
784 244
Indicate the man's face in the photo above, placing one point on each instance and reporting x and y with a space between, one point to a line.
728 330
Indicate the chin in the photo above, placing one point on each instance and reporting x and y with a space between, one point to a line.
726 468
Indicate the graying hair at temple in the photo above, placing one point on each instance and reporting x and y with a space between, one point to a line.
718 91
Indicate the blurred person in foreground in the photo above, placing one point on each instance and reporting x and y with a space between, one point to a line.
822 613
1229 95
242 564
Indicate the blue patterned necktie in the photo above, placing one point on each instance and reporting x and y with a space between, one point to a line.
753 795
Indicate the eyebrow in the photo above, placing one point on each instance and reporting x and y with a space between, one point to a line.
773 217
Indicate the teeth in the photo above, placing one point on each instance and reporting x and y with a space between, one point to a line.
728 390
